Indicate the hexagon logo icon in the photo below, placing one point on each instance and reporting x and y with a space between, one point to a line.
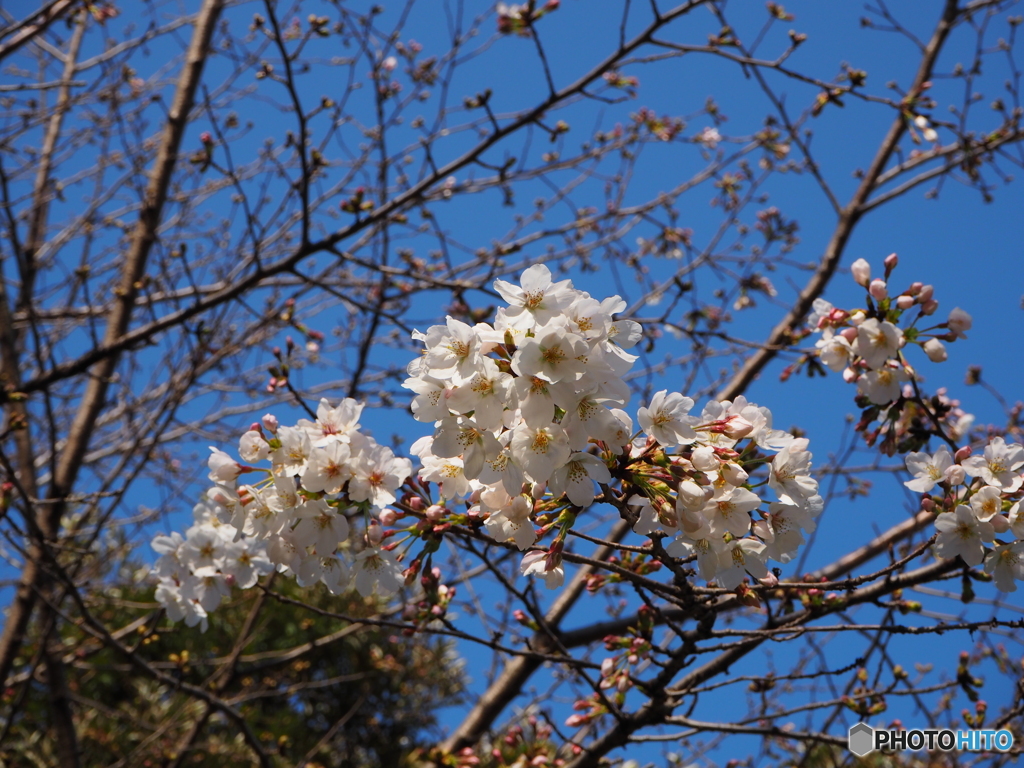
861 739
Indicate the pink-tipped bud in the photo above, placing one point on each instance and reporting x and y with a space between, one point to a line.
926 293
849 375
771 580
962 453
850 334
374 533
435 513
736 428
417 504
878 290
1000 523
861 272
388 517
890 262
474 497
905 302
927 504
915 288
929 307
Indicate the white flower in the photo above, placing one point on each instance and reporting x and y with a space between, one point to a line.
998 466
706 550
447 473
328 469
485 395
464 437
334 574
208 587
927 470
431 401
958 322
1006 564
333 424
513 522
577 477
553 355
729 510
538 300
961 533
320 527
835 351
790 474
452 349
540 451
503 468
987 503
290 459
546 564
1016 518
377 475
252 447
538 398
739 557
246 564
377 569
223 469
878 341
881 387
589 419
667 419
782 530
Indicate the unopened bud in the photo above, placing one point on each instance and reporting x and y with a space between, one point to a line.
878 290
734 474
935 350
736 428
905 302
926 293
416 504
890 263
388 517
929 307
861 272
435 513
1000 523
915 288
962 453
374 533
927 504
850 334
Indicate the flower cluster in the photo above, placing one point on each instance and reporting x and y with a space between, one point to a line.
978 498
196 572
705 492
528 428
518 405
294 517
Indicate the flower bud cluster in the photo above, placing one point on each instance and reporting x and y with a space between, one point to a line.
979 505
867 344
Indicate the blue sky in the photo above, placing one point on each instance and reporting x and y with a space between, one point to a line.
970 250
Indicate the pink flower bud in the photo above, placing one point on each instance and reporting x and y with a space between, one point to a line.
877 289
890 262
929 307
388 517
736 427
607 666
962 453
926 293
958 322
1000 523
915 288
927 504
905 302
771 580
416 503
849 375
861 272
374 533
850 334
435 513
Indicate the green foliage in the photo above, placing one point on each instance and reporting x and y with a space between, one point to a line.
297 677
